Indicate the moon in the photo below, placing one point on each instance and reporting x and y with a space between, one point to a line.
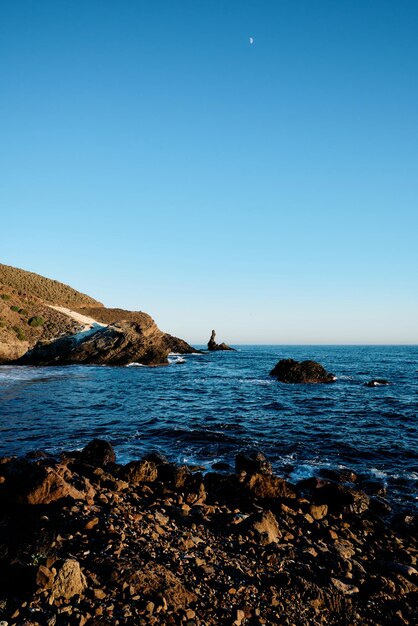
251 40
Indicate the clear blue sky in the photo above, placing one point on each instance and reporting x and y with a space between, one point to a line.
153 158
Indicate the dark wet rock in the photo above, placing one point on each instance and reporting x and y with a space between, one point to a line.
213 346
380 506
223 487
339 497
156 457
174 475
221 466
291 371
377 382
342 475
98 453
252 463
179 346
374 487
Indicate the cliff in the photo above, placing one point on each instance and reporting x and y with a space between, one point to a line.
33 332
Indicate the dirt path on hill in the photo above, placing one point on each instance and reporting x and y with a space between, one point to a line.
88 322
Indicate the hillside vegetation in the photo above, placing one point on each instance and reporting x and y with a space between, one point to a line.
25 320
47 289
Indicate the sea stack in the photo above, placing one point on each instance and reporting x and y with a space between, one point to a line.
213 346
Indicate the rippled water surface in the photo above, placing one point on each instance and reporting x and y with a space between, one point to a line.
212 405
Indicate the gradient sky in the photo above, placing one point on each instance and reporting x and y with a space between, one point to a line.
152 157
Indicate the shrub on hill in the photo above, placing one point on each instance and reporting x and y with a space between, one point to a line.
14 308
36 321
5 296
19 333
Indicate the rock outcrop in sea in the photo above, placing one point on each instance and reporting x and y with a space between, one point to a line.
213 346
117 344
44 322
85 541
291 371
377 382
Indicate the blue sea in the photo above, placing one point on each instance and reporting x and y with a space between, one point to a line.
202 409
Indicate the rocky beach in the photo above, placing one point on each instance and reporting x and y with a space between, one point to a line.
85 540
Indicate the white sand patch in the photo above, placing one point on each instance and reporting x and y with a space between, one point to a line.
88 322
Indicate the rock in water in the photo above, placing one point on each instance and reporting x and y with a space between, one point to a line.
291 371
377 382
213 346
99 453
118 344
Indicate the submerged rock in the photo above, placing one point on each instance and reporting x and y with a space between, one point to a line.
377 382
213 346
291 371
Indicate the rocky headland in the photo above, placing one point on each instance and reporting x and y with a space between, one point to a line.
45 322
87 541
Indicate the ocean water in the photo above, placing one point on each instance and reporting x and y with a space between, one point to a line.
202 409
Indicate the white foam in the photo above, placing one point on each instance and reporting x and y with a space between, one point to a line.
135 365
301 472
178 359
378 473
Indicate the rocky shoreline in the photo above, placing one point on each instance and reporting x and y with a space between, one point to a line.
85 540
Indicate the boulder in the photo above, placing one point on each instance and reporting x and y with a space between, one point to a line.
267 487
213 346
137 472
291 371
252 463
98 453
264 525
69 581
341 498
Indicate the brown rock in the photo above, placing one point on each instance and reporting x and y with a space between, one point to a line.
53 484
44 577
138 472
267 527
69 581
318 511
263 486
154 579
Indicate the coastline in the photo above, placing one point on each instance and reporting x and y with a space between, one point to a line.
85 540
